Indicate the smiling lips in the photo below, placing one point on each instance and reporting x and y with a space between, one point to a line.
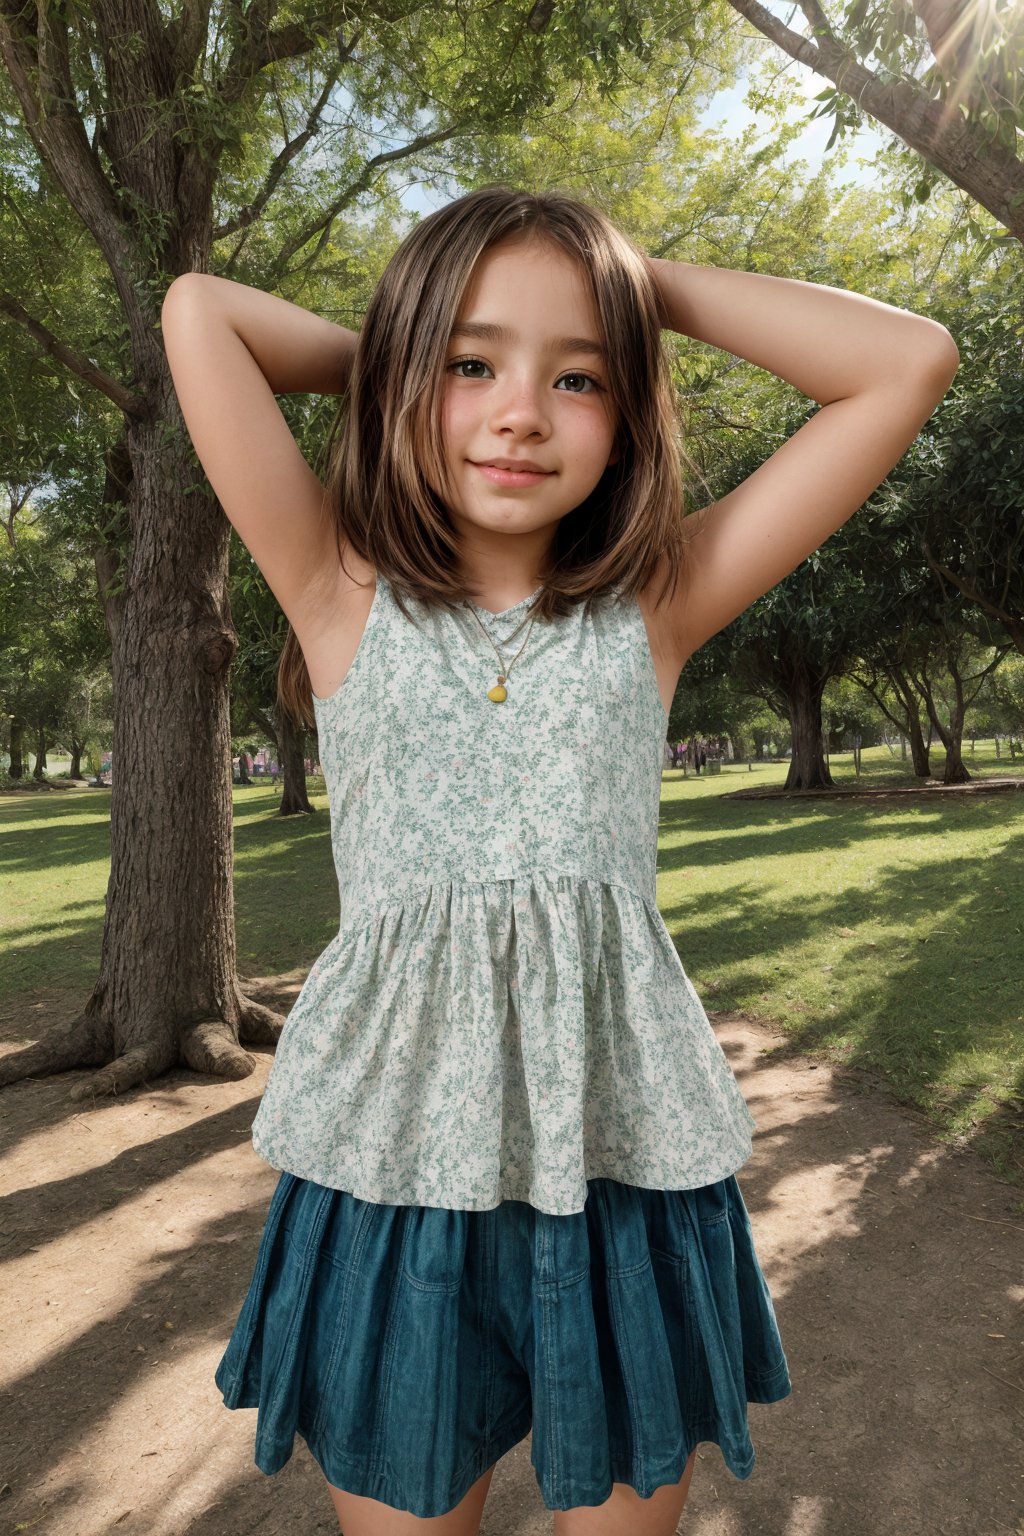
513 472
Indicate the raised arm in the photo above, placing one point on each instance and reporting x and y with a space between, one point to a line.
231 348
878 373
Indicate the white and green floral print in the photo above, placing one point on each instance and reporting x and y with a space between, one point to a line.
502 1014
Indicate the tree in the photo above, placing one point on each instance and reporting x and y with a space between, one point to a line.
787 646
967 501
176 140
946 527
959 110
261 629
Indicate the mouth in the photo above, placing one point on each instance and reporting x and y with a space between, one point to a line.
502 476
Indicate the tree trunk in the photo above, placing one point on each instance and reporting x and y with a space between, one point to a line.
167 992
918 747
292 741
951 736
75 766
807 766
17 769
911 723
39 771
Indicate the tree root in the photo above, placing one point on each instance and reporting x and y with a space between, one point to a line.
137 1065
258 1024
84 1041
208 1046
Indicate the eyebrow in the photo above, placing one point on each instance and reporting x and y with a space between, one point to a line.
483 330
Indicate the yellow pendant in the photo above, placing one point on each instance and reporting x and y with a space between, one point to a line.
497 693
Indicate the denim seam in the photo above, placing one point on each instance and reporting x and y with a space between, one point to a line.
489 1330
377 1458
308 1264
632 1393
341 1337
547 1302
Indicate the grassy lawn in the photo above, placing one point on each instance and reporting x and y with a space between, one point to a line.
888 935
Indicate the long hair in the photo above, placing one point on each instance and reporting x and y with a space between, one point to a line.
385 451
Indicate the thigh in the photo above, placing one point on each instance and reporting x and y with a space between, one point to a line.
624 1510
368 1517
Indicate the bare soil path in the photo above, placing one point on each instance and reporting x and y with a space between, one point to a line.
128 1232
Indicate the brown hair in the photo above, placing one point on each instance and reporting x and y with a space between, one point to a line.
380 475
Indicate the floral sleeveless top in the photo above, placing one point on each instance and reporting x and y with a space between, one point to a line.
502 1014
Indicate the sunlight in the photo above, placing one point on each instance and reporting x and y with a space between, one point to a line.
183 1430
816 1205
161 1225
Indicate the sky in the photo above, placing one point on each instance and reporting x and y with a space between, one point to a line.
728 112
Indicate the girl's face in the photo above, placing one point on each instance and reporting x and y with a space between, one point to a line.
526 382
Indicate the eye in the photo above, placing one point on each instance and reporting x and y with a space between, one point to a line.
587 380
477 362
464 362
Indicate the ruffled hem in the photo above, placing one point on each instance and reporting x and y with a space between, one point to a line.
626 1335
508 1039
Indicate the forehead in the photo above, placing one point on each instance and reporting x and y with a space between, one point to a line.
530 287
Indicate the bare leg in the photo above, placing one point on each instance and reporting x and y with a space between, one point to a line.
624 1510
368 1517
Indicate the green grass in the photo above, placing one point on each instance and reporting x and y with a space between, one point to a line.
885 935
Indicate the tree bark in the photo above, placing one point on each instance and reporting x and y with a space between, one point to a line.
294 794
17 768
807 766
167 992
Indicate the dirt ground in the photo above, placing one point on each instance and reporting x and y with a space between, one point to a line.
896 1267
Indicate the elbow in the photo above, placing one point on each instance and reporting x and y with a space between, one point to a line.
941 353
187 282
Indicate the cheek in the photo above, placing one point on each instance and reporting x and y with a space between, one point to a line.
455 416
595 433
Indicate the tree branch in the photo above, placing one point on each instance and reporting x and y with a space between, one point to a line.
34 47
258 46
125 400
939 132
248 215
361 183
1010 622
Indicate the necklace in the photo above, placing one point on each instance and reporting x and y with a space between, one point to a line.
499 693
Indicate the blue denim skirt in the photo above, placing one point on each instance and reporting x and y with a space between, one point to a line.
412 1346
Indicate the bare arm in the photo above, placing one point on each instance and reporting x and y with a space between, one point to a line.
827 342
298 352
878 373
230 349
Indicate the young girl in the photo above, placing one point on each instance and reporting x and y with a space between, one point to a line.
507 1135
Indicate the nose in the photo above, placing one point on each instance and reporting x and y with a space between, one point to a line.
519 405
